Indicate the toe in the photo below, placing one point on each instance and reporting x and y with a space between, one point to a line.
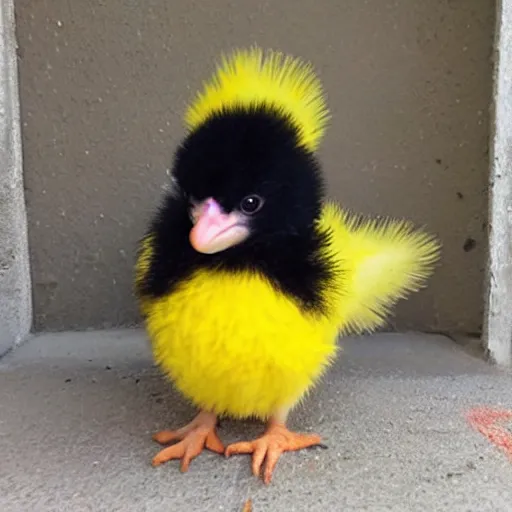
239 448
165 436
257 459
273 456
213 443
175 451
193 449
301 441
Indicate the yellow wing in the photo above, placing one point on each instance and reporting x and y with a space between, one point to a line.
381 261
248 78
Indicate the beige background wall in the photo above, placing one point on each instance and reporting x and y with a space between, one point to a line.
104 83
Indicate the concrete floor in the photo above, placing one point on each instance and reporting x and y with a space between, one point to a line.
77 411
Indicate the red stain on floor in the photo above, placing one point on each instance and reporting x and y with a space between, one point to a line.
492 423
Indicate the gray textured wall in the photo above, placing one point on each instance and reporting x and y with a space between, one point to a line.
15 285
104 84
497 331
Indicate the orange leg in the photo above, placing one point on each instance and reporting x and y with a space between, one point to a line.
200 433
276 440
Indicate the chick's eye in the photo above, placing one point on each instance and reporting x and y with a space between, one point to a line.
251 204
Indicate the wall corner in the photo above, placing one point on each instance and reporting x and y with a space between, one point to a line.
15 280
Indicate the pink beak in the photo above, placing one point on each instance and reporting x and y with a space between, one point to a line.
214 230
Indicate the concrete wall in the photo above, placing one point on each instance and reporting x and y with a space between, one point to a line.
497 332
15 285
104 84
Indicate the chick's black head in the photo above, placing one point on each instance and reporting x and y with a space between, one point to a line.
246 198
249 163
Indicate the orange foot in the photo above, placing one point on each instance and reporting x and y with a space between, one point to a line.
276 440
193 438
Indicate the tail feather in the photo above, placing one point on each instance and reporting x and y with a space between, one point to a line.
382 261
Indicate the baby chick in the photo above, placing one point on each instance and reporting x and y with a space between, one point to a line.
247 275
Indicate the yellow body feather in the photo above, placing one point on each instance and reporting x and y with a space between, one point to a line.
248 78
234 345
